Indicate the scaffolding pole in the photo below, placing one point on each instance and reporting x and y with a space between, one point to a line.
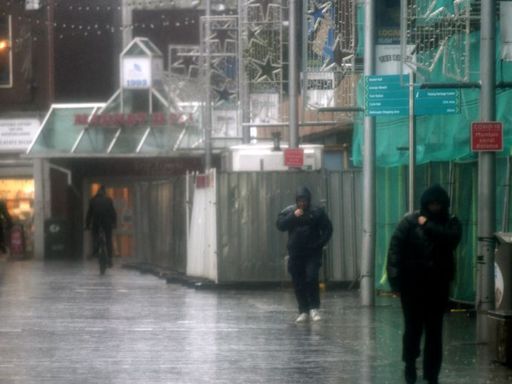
486 173
368 245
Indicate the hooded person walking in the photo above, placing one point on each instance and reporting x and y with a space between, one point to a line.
309 230
420 268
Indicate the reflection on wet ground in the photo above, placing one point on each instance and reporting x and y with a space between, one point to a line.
63 323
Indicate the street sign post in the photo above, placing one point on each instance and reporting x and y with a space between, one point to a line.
487 136
436 101
387 95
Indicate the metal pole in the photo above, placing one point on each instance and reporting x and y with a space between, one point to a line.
305 69
243 86
51 51
486 173
208 114
126 23
368 246
412 144
293 76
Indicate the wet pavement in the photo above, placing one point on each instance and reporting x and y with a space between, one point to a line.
63 323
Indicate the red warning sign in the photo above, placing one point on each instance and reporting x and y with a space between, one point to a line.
294 157
487 136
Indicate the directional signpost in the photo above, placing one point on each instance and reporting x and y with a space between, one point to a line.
389 96
436 101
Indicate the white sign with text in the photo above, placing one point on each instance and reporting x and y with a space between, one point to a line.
17 134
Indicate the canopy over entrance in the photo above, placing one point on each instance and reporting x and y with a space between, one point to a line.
103 130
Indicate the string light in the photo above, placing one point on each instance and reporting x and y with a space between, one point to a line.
145 4
85 7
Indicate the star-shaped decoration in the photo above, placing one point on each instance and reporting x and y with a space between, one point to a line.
332 56
186 65
223 95
266 70
264 6
318 13
253 35
222 35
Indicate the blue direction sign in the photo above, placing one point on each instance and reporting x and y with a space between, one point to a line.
387 95
436 101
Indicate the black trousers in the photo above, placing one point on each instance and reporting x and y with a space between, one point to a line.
423 314
108 239
304 272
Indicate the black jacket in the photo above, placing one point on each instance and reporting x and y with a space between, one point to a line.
101 212
424 253
309 233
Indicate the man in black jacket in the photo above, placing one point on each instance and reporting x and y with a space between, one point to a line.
420 268
309 230
101 215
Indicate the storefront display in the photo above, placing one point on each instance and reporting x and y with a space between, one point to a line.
18 195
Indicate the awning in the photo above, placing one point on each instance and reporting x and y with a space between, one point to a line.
103 130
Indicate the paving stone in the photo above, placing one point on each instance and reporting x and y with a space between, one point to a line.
61 322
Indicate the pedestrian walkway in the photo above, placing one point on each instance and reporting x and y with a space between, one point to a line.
63 323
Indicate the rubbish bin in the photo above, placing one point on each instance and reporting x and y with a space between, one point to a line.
500 336
56 239
503 271
500 320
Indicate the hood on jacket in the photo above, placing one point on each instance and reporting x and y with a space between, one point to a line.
303 193
437 194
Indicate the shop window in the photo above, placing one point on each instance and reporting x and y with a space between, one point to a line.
18 195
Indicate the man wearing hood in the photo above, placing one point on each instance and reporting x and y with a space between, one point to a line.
420 268
309 230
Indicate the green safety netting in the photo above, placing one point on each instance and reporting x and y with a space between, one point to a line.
443 155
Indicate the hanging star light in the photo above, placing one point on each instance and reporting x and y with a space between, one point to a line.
318 13
187 65
222 35
266 69
253 35
264 6
223 95
334 56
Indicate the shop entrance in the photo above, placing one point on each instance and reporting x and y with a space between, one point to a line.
122 195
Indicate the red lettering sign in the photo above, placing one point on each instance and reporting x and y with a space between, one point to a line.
81 119
487 136
294 157
115 120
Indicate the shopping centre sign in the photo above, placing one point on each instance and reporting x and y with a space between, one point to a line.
116 120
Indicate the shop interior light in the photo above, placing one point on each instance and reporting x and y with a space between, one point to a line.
4 44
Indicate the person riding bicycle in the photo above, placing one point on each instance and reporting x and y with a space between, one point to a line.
101 215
